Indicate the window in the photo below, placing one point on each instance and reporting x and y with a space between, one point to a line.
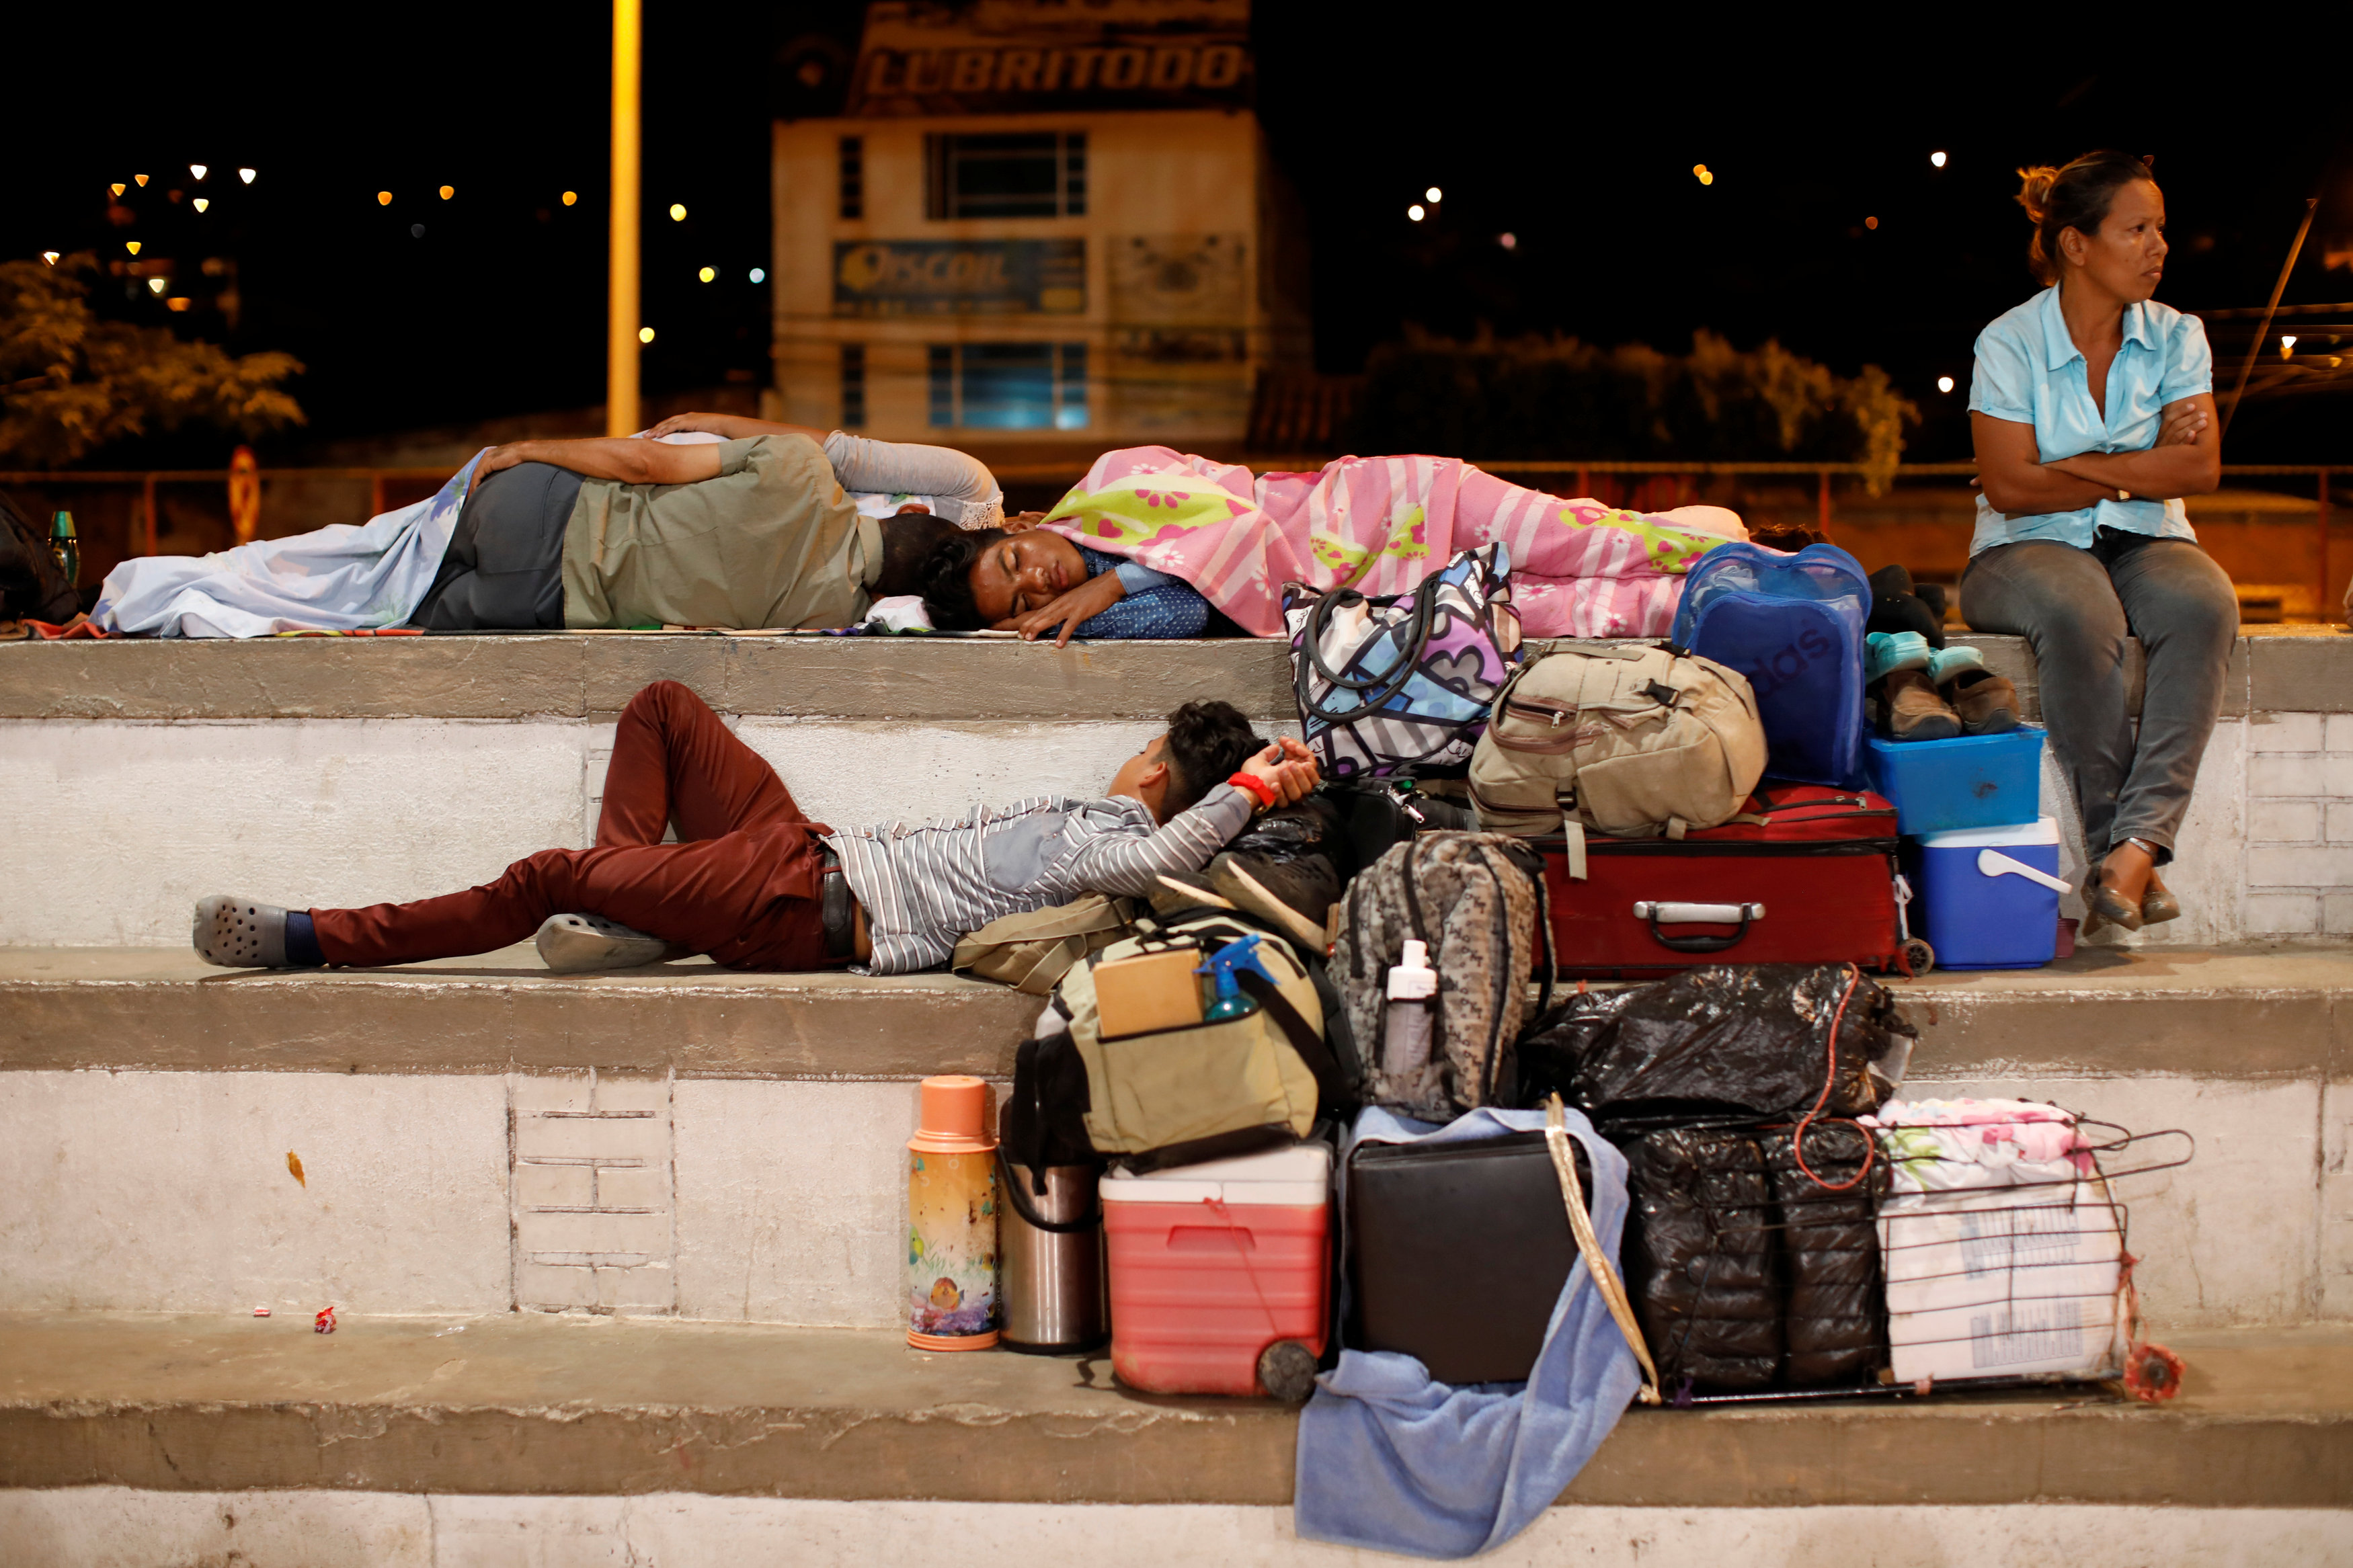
1030 174
853 386
1009 387
853 176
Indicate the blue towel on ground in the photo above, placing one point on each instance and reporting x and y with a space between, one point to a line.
1390 1459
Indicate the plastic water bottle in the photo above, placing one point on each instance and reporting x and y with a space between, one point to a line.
1413 986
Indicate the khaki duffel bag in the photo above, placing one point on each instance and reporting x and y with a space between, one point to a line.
1632 742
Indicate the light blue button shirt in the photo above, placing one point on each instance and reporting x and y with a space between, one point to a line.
2030 370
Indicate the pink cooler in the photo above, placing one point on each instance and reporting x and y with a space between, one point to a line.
1211 1264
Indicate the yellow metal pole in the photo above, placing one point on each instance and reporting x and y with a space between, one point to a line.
621 334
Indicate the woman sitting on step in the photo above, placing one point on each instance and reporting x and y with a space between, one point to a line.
1152 540
2093 413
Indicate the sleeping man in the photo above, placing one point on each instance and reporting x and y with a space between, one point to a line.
1152 540
757 885
752 525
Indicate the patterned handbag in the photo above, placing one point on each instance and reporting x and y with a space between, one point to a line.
1403 683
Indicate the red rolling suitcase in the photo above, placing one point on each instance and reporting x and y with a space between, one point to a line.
1809 878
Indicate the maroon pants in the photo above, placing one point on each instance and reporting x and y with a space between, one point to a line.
741 884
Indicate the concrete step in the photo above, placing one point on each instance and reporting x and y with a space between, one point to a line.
582 1407
755 1122
327 773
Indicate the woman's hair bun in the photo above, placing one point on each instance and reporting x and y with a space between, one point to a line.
2035 191
2075 197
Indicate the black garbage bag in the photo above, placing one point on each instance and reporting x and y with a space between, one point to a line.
1557 1045
1739 1043
1834 1321
1699 1257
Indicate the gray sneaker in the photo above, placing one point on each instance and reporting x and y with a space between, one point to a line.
239 933
577 944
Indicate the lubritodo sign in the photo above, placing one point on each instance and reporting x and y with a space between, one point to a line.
1002 57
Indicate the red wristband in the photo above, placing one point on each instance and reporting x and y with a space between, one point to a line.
1254 785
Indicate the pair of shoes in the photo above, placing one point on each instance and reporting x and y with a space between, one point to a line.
579 944
1935 694
2158 904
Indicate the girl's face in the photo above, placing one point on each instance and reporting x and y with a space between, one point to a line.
2127 258
1021 572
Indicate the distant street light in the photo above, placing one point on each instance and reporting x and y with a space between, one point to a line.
678 212
645 334
51 256
197 170
1414 212
1701 173
759 275
201 204
384 198
246 175
2287 345
141 181
116 189
1944 383
1508 241
708 273
448 191
1870 223
1937 159
1433 195
157 285
570 197
131 245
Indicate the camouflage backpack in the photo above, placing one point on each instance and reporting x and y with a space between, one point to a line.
1477 899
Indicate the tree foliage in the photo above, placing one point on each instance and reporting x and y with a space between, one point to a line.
1561 399
71 383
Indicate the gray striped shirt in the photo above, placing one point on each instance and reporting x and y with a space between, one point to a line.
925 886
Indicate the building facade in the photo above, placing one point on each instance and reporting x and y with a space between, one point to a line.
1036 222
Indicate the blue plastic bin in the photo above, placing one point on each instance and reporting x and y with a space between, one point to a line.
1970 781
1981 918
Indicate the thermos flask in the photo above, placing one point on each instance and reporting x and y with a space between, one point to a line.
952 1205
1053 1243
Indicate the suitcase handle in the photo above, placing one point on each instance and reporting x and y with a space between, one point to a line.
1659 914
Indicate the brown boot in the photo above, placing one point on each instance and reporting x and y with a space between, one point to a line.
1986 703
1910 709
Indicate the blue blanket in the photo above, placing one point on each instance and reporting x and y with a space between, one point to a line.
1391 1460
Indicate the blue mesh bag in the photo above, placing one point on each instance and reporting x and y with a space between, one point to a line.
1794 626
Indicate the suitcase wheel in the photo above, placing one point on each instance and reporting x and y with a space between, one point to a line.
1286 1370
1918 956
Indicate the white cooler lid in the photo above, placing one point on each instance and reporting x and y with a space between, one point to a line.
1298 1176
2042 830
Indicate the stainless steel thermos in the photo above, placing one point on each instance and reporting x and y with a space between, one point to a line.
1052 1245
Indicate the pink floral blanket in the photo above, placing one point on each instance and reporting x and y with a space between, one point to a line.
1377 524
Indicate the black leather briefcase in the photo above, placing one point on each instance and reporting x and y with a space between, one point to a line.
1457 1252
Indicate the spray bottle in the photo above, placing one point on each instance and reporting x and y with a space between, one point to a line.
1229 960
1405 1040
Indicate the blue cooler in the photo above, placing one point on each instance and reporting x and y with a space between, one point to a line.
1975 911
1969 781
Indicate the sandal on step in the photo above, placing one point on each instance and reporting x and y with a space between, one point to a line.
239 933
579 944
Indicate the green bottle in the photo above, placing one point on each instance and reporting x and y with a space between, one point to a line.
66 547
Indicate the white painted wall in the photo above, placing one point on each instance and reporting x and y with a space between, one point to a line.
88 1527
784 1201
127 823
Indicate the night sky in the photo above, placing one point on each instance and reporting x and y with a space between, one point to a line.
1578 142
